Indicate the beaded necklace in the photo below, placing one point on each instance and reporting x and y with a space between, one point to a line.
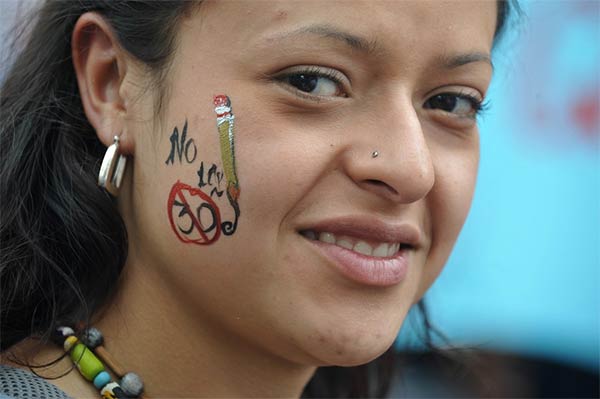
88 354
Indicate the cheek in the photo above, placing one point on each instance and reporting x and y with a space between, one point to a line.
448 205
279 163
274 165
177 166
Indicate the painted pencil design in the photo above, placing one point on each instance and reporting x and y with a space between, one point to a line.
225 125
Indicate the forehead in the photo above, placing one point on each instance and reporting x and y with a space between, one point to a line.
398 28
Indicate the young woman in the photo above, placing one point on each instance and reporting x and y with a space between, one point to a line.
283 181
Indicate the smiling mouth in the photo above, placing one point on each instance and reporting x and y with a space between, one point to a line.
368 248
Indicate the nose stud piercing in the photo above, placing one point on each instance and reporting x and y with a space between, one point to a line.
375 154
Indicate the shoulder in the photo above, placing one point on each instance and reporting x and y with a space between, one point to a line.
61 377
19 383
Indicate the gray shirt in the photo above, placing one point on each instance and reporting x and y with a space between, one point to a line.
16 383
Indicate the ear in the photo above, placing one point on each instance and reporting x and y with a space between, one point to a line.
101 66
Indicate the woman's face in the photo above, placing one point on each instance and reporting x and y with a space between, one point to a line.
315 89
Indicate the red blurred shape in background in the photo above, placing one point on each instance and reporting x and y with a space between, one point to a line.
585 114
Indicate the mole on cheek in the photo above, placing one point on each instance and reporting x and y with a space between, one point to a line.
280 15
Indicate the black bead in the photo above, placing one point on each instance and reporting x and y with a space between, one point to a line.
119 394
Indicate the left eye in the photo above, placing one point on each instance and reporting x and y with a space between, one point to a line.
458 104
313 84
314 81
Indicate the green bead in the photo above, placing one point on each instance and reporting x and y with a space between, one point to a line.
88 364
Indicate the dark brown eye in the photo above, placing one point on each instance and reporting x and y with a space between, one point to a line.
304 82
314 84
458 104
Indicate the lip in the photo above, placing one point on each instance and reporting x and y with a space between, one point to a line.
364 269
370 229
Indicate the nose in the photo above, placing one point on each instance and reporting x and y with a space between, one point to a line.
390 157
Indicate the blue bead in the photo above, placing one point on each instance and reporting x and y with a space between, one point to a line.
101 379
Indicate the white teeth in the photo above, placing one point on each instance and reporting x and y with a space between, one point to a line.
327 237
344 243
363 248
393 249
382 250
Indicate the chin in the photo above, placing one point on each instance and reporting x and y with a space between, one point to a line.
354 357
346 351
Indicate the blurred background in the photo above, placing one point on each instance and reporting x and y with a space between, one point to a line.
522 286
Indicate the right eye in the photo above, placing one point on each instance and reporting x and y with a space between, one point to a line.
314 82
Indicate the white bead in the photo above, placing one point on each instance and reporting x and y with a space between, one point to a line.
92 337
66 331
132 384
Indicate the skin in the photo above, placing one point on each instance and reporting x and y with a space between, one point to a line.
256 312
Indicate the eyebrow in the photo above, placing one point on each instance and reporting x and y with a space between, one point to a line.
355 42
455 61
371 46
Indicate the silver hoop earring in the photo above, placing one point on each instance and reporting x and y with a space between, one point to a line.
112 169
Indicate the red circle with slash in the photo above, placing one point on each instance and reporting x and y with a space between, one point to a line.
181 195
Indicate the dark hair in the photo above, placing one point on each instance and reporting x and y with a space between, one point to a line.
63 243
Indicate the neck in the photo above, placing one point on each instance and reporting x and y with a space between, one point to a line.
176 351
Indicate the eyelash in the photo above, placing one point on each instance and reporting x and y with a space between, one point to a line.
482 107
478 106
320 72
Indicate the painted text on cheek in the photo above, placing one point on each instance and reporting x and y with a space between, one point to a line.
182 147
193 214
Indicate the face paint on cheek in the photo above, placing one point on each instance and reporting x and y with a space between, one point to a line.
225 126
194 216
182 148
